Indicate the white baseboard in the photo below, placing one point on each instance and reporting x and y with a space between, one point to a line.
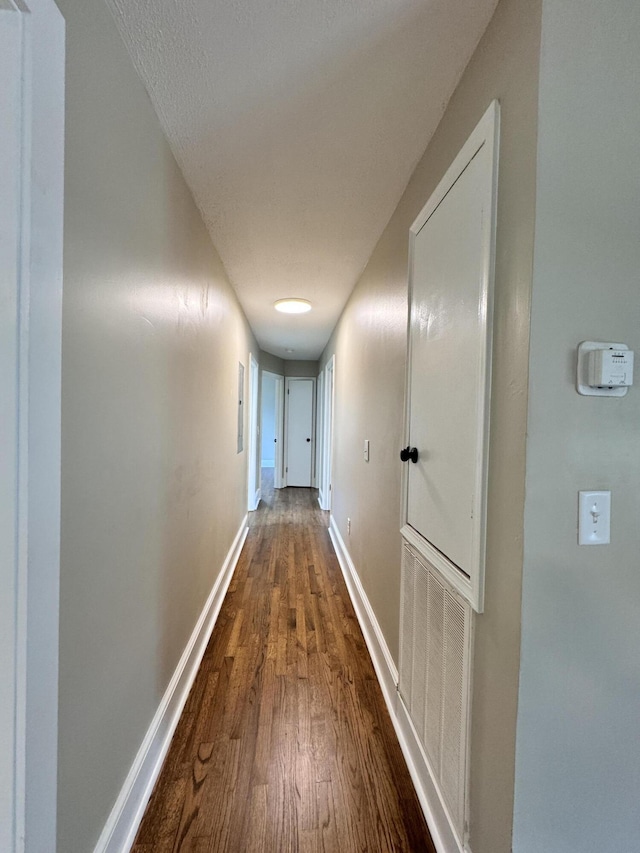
256 500
437 819
383 662
122 825
440 826
268 463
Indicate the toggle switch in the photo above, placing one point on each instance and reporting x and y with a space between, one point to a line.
594 518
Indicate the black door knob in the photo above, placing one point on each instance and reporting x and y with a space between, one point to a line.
308 439
409 453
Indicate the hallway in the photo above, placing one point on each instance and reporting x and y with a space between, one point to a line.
285 743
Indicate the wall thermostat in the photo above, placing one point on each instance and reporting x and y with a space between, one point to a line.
604 369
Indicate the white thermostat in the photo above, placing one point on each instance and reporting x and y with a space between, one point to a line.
604 369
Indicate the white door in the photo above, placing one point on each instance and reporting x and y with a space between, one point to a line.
272 425
299 432
450 345
268 438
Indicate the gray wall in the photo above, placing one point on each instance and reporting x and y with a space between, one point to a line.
300 368
271 363
370 346
153 491
578 774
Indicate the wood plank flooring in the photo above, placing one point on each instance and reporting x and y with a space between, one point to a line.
285 743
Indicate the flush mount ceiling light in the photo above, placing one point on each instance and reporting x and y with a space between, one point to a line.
293 306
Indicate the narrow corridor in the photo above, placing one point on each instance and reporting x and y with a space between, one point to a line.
285 743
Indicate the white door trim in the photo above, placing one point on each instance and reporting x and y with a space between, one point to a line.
30 510
278 475
253 489
320 438
327 442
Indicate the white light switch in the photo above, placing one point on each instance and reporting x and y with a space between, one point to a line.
366 450
594 518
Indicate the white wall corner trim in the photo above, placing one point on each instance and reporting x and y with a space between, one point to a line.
436 816
256 499
120 829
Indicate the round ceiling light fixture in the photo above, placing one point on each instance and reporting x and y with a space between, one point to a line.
293 306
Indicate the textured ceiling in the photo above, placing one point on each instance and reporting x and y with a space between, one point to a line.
297 124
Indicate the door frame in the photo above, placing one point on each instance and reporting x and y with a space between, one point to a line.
320 437
253 489
288 380
32 141
278 472
327 433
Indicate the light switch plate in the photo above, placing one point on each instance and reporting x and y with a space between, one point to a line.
366 450
594 518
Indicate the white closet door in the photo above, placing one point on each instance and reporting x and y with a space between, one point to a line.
299 437
449 365
447 303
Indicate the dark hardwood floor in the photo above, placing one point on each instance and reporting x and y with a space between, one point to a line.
285 743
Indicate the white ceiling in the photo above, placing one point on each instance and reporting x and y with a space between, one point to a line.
297 124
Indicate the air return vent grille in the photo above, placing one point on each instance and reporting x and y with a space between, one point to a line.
435 648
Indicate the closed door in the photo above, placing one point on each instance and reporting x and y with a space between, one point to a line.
446 295
299 436
450 349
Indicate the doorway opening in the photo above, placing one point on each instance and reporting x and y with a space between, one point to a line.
271 429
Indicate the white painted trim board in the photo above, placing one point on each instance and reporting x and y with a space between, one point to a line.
120 829
32 68
435 814
328 407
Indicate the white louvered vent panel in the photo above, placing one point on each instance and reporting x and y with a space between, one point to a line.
435 650
453 723
435 670
420 648
406 622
